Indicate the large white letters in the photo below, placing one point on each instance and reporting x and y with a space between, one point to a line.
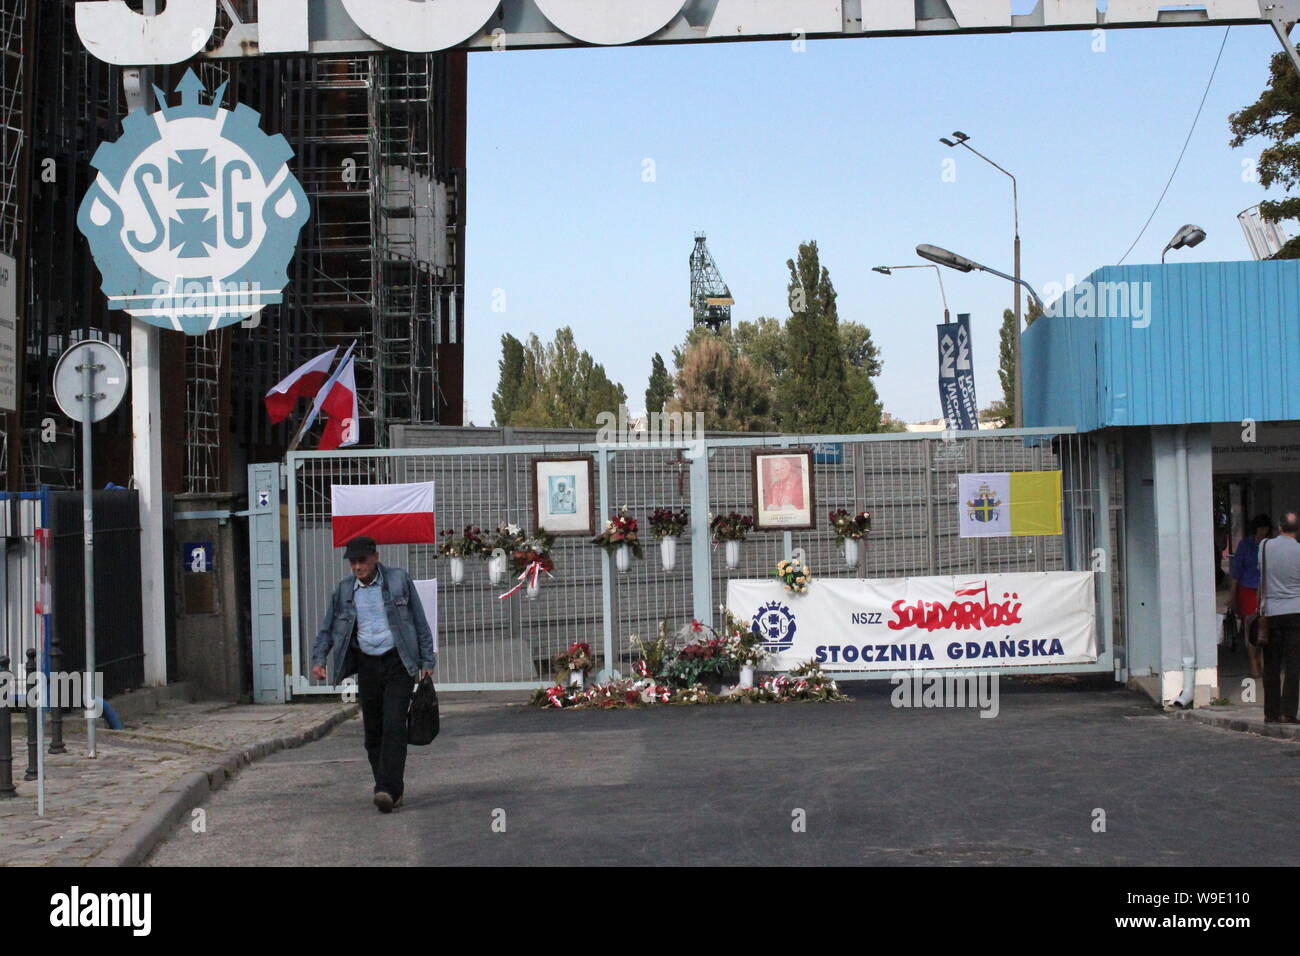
420 27
598 21
117 34
282 26
764 18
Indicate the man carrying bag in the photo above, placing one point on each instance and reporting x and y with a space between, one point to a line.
1278 628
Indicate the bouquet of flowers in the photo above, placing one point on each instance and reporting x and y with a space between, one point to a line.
466 544
744 647
794 574
654 654
508 537
705 656
666 523
847 525
730 527
576 658
535 547
619 530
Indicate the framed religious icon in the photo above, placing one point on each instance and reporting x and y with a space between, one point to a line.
784 497
563 502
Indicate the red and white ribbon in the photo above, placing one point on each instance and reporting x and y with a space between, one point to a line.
534 570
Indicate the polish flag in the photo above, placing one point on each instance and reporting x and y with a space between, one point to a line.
344 425
304 382
391 514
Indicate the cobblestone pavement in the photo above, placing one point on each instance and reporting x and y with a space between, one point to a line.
89 803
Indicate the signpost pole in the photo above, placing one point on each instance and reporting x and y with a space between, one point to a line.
88 368
146 448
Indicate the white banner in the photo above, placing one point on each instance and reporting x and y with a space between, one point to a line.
992 620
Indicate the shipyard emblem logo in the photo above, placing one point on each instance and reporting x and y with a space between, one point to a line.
775 625
984 507
195 214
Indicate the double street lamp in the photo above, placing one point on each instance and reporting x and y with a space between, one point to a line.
961 139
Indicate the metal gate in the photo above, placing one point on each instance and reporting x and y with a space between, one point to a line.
907 481
24 531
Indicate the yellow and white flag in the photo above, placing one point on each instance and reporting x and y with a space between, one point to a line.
1009 504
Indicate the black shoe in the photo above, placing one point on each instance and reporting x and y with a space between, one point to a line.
384 801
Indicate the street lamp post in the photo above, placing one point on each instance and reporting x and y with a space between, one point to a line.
889 270
961 139
953 261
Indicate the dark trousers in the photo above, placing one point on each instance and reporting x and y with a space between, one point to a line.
1282 653
385 689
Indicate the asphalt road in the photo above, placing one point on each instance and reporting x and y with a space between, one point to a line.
722 784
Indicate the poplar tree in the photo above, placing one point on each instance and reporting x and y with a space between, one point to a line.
660 389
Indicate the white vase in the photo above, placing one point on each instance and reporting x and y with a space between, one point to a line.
746 676
668 551
496 569
622 558
457 570
575 678
733 555
851 552
534 588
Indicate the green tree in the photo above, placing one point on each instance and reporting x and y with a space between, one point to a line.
714 378
562 387
1275 116
763 341
660 388
511 384
1005 410
811 399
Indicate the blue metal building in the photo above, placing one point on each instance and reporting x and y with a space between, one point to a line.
1188 376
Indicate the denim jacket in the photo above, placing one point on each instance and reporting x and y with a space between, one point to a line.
411 635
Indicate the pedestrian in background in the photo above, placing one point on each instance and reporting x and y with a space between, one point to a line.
375 628
1243 589
1279 560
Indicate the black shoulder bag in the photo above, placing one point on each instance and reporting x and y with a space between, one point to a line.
422 718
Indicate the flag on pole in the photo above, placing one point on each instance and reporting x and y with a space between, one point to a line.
344 425
1009 504
303 382
391 514
323 393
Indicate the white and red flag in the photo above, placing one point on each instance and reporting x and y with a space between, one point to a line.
340 405
391 514
303 382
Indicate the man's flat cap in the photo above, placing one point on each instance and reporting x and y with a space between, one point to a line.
362 547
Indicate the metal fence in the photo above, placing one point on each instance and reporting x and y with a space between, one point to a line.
908 482
21 517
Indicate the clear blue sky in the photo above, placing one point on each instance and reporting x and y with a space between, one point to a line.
762 148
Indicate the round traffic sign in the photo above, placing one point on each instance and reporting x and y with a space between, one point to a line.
108 380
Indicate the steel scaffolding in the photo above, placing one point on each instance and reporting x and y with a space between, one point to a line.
13 22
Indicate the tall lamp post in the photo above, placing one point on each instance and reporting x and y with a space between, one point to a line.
961 139
889 270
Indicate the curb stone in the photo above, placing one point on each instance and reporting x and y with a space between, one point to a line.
1280 731
136 842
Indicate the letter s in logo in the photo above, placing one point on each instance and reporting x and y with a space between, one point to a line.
116 34
420 27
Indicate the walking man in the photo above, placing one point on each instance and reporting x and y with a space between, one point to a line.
1279 560
375 628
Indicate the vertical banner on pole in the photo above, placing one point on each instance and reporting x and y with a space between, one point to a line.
957 376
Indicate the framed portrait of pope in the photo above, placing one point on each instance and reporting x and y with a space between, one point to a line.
562 495
784 496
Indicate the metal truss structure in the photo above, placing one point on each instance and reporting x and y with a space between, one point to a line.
711 300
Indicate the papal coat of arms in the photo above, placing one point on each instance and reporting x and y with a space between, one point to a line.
195 214
984 506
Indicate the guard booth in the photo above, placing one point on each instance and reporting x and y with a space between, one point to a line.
1186 373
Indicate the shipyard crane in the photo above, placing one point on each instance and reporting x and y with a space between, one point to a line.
711 300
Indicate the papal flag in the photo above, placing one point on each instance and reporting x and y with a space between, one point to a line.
1009 504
